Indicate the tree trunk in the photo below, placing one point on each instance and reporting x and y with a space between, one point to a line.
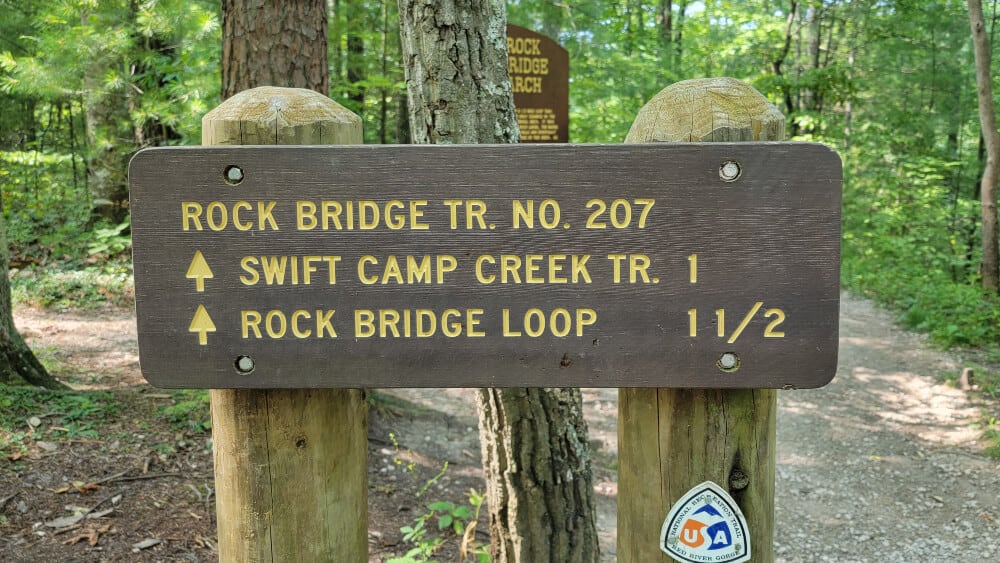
109 134
987 117
537 461
17 362
536 452
456 72
273 43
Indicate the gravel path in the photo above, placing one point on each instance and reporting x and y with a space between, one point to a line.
884 463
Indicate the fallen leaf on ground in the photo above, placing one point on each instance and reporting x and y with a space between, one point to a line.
92 536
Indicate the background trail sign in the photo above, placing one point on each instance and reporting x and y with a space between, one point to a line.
709 265
539 78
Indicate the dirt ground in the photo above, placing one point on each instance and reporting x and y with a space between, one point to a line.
886 463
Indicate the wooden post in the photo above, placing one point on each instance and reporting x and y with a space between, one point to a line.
290 464
670 440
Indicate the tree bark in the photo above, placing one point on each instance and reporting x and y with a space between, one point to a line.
273 43
991 138
536 452
455 57
18 363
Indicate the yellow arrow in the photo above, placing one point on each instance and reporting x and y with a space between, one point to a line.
199 271
202 324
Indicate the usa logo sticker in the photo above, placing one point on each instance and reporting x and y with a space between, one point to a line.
706 525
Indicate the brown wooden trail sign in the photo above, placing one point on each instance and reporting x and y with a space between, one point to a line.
710 265
539 79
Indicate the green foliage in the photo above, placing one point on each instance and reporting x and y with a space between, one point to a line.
91 287
451 521
28 414
190 411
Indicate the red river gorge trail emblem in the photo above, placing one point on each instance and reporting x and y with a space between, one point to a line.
706 525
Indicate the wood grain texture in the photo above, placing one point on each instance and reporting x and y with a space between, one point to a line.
670 440
290 465
770 237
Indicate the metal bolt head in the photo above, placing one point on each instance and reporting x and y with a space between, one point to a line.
730 171
234 174
245 364
729 361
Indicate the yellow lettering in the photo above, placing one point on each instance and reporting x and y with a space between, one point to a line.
331 262
449 328
265 215
510 265
578 268
366 207
426 317
531 268
617 259
584 317
416 212
637 266
393 221
555 266
248 263
305 215
472 320
453 211
483 279
388 319
392 271
250 321
524 213
418 272
554 318
506 325
210 212
364 323
274 269
475 210
269 324
534 315
445 263
331 213
365 279
308 268
323 323
239 224
299 333
190 215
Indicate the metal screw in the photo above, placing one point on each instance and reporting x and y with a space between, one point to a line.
245 365
234 175
729 362
730 171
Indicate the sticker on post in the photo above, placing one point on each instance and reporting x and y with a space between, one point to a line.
706 525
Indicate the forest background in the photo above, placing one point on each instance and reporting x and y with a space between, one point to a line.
890 84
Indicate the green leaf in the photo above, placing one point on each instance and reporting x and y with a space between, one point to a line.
441 506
